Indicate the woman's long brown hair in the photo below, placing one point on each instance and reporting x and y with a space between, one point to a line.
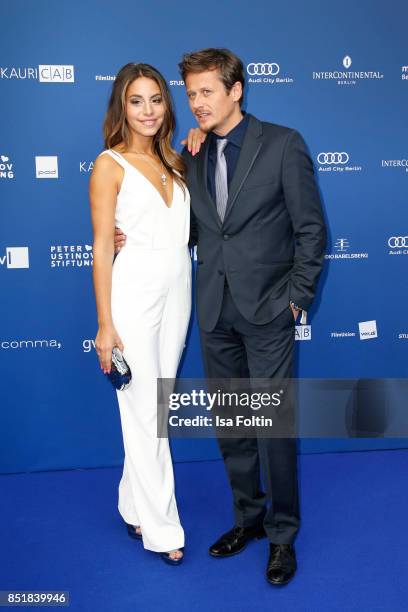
116 129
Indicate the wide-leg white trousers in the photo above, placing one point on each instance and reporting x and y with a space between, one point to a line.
151 304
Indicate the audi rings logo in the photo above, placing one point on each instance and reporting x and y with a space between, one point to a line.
268 69
398 242
333 158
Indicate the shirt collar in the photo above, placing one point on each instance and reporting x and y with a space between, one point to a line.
236 135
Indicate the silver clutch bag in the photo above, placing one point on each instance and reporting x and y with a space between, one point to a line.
120 374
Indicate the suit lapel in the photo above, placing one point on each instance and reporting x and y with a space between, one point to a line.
202 165
251 146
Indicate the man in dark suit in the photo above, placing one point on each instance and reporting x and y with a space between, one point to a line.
260 235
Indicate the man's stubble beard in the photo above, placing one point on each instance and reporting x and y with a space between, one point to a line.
208 129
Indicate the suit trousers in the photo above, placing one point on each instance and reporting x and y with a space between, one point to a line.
237 348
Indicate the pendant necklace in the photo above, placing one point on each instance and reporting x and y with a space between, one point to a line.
163 176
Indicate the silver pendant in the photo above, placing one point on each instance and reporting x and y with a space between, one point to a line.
163 178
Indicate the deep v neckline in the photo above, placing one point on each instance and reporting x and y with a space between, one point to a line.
168 206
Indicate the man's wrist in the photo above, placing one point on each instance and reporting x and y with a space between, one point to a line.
303 319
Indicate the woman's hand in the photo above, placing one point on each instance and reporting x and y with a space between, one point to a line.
107 338
194 140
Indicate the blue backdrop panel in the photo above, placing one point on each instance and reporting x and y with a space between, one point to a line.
336 73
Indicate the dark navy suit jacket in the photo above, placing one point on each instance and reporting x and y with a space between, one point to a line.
270 246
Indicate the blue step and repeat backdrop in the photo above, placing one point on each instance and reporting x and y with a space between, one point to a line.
337 72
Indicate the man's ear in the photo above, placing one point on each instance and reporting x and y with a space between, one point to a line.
236 91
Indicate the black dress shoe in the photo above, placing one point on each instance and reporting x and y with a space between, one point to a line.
235 540
281 564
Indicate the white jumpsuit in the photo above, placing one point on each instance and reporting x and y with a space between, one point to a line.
151 303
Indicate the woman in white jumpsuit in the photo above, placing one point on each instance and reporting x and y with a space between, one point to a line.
144 300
